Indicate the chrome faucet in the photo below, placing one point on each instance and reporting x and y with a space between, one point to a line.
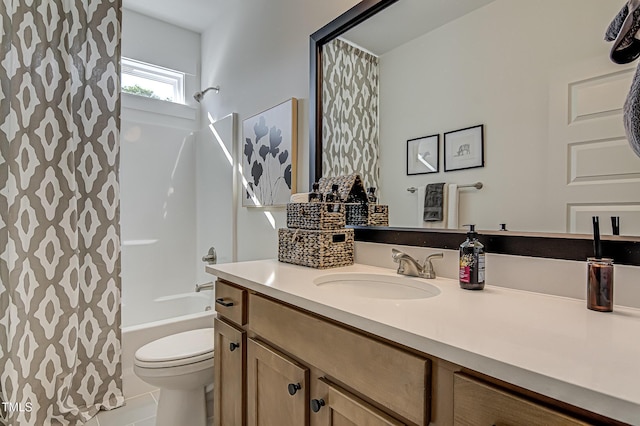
407 265
205 286
211 257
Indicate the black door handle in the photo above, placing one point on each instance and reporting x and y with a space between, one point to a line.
233 346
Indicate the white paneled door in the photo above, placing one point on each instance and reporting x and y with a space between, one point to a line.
592 170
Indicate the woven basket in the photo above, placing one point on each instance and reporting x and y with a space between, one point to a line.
367 214
316 249
347 185
319 216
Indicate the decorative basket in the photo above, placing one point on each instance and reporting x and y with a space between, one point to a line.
319 216
316 249
349 186
367 214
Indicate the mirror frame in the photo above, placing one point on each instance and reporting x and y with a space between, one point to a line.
624 250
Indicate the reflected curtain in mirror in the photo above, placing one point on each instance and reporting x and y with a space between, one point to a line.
350 112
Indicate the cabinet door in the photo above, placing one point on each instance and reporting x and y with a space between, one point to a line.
229 361
277 391
397 380
478 403
341 408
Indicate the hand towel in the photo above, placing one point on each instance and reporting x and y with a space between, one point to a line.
422 191
433 203
301 197
623 31
452 204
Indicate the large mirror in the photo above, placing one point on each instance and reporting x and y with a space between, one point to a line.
535 74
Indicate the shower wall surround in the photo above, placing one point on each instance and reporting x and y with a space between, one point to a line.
59 206
158 180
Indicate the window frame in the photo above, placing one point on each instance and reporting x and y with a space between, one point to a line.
156 73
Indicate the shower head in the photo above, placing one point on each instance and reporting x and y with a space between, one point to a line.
199 95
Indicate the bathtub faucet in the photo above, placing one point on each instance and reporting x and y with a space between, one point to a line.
205 286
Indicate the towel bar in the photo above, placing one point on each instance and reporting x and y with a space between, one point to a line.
477 185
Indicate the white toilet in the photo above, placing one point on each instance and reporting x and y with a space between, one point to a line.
181 365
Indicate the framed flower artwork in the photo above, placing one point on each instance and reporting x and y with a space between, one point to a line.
269 156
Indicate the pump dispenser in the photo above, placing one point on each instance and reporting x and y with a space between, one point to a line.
472 261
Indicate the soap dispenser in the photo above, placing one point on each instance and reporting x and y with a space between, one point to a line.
315 196
472 261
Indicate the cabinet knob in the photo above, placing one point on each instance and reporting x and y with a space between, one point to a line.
316 405
293 388
233 346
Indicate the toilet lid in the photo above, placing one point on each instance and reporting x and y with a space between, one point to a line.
189 344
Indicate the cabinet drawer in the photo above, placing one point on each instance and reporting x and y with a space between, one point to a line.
231 302
395 379
478 403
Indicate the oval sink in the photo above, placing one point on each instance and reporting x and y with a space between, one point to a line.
376 286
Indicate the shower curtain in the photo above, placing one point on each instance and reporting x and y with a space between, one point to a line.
350 112
59 211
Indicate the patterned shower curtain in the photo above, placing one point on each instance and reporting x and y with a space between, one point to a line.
59 211
350 112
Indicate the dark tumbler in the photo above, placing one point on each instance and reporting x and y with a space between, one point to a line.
600 284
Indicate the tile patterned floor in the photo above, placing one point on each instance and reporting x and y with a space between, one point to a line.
139 410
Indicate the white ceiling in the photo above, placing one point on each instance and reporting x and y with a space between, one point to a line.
407 19
194 15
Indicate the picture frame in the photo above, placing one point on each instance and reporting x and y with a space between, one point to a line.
269 155
464 148
423 155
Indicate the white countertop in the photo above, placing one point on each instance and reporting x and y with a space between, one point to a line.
548 344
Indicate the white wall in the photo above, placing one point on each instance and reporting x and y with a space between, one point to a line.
157 179
258 53
486 68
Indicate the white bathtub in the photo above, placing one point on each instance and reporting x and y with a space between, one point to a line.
143 311
133 337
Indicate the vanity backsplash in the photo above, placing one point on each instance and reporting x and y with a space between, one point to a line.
549 276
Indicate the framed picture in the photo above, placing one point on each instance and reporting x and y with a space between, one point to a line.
269 156
464 148
423 155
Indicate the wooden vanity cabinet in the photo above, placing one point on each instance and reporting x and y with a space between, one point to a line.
276 364
277 388
389 379
338 407
229 369
479 403
230 356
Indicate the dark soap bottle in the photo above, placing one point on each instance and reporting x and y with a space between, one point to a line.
333 196
472 262
371 196
315 195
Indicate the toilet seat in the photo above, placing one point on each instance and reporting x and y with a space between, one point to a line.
184 348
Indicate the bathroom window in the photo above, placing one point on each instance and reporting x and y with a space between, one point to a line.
152 81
